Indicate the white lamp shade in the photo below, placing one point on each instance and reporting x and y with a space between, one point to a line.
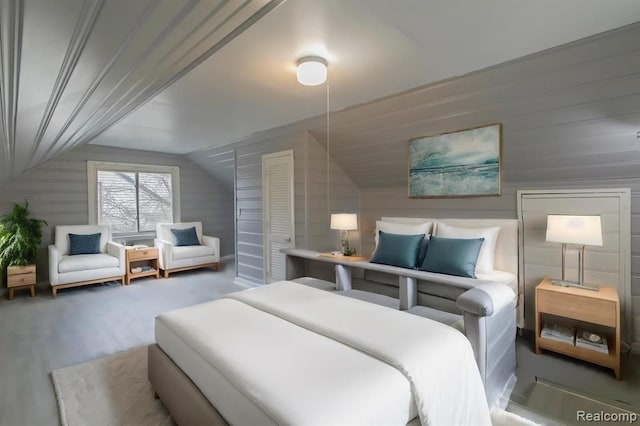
582 230
312 71
344 221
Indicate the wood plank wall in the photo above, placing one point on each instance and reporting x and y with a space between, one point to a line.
328 193
57 192
312 208
570 117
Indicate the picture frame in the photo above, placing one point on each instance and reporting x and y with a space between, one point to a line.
463 163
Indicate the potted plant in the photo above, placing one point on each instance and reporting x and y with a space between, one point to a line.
20 237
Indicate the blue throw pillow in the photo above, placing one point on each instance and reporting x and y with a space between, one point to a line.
453 256
186 236
397 250
84 244
422 251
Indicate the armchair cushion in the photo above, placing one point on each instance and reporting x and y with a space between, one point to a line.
186 252
84 244
63 231
185 237
163 230
85 262
172 257
67 268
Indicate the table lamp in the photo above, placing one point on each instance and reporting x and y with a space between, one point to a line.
345 222
576 230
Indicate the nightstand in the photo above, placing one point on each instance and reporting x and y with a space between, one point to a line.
142 256
600 308
21 277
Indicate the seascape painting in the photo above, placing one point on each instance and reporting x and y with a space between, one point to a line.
459 164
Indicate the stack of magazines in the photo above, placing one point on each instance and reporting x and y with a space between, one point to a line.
588 340
559 333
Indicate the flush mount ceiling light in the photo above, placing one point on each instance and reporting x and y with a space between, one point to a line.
312 71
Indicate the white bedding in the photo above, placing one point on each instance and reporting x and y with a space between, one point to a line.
292 375
500 277
257 369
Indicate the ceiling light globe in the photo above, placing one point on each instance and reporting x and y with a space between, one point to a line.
312 71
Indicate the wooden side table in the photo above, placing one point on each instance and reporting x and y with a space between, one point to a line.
21 277
601 308
147 256
343 257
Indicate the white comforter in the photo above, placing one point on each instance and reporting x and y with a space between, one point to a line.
411 354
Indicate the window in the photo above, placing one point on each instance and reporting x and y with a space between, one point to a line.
132 198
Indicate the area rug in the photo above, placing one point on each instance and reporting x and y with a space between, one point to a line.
114 390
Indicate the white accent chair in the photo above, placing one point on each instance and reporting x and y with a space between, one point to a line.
174 258
70 271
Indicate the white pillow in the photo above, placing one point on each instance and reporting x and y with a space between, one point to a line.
403 228
488 250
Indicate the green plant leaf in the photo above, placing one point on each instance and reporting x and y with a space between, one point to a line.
20 236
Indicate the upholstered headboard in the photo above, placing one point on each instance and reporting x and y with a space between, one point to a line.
506 257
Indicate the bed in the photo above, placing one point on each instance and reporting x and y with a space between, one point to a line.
286 353
484 308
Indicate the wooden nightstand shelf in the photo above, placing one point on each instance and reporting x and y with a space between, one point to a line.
21 277
600 308
142 257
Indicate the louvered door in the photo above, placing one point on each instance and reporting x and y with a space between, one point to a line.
278 208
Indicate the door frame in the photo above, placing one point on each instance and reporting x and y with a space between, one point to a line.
265 203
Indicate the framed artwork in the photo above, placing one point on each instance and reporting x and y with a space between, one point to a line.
464 163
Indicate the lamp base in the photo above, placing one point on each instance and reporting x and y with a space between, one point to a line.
576 285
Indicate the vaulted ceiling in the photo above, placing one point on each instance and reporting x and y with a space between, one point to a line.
72 68
178 75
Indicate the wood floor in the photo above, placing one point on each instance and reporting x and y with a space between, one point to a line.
41 334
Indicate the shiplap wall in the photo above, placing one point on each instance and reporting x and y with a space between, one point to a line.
249 236
327 193
607 264
57 192
571 112
312 207
570 117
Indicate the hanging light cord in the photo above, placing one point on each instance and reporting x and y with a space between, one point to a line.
328 160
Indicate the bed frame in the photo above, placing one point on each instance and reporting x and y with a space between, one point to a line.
181 397
187 405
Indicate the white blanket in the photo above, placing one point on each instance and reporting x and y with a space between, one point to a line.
436 359
258 369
